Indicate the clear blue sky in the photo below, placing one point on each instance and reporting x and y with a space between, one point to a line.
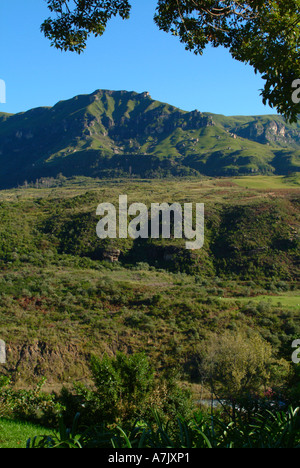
132 55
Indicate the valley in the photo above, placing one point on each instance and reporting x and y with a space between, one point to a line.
62 300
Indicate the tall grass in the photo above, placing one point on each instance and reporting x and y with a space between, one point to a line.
266 430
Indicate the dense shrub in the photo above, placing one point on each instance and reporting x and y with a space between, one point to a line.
28 405
125 388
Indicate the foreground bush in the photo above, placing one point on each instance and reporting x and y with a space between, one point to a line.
34 406
125 388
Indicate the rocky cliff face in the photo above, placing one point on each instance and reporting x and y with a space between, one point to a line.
38 359
271 132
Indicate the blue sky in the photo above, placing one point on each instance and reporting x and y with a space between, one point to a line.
132 55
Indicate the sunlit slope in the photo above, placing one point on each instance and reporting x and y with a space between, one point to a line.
112 133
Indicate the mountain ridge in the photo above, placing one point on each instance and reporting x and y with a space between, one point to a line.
109 133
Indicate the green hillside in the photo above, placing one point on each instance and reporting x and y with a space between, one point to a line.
112 133
63 298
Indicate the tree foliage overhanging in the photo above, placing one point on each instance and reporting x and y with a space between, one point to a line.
262 33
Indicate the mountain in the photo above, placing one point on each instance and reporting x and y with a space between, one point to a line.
110 133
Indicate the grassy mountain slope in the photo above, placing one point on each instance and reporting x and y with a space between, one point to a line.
109 133
61 300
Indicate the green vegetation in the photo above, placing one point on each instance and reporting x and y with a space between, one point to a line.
115 416
125 134
289 300
151 321
267 430
241 27
56 285
268 183
14 434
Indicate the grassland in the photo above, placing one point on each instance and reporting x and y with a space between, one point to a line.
14 434
269 183
289 301
60 301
